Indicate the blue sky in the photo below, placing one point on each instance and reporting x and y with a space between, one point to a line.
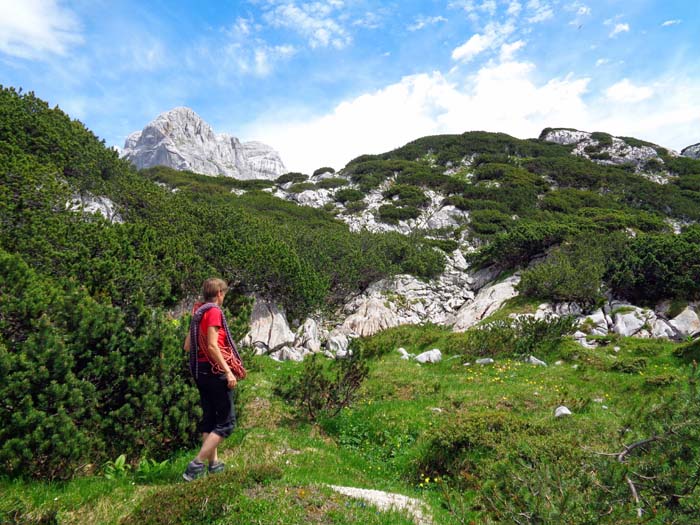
327 80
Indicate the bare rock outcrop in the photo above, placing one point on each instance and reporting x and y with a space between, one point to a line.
268 327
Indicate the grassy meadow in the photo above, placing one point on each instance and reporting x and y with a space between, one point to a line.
476 443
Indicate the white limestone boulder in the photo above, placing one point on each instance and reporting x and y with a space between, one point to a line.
308 336
633 321
487 301
371 317
562 411
288 354
431 356
597 323
687 322
268 327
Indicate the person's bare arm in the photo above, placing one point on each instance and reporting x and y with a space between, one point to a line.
215 354
186 345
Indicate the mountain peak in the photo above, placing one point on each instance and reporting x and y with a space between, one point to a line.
179 138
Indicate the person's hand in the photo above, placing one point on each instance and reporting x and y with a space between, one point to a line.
231 380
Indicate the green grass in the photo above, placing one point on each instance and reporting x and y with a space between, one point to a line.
278 464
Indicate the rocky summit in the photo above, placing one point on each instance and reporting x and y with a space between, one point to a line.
182 140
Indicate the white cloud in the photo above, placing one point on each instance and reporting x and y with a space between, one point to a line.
540 11
619 28
508 50
266 56
514 8
668 23
499 97
583 11
602 62
423 21
312 21
33 29
493 36
626 92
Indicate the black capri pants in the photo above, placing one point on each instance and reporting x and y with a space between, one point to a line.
218 415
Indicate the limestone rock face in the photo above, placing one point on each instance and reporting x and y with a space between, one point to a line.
414 301
371 317
488 300
89 203
692 151
180 139
308 336
268 327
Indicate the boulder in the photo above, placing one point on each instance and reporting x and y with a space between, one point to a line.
534 361
372 317
308 337
487 301
404 354
446 217
562 411
268 326
338 343
686 323
662 330
596 323
633 321
313 198
485 361
431 356
288 354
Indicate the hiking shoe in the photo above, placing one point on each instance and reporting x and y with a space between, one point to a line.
194 470
217 467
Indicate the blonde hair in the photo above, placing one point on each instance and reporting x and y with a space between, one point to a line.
212 287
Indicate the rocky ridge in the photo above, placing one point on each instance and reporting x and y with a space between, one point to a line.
605 149
692 151
182 140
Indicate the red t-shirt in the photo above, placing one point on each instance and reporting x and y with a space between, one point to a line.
211 318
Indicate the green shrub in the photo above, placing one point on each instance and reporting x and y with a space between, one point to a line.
200 501
331 183
324 389
603 139
489 222
294 177
633 365
355 206
407 195
348 195
324 169
573 273
392 214
301 186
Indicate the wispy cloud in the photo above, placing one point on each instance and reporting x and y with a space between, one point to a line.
619 28
602 62
539 11
493 36
424 21
313 21
626 92
37 29
509 50
668 23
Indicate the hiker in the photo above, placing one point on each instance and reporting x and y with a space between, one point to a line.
216 367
